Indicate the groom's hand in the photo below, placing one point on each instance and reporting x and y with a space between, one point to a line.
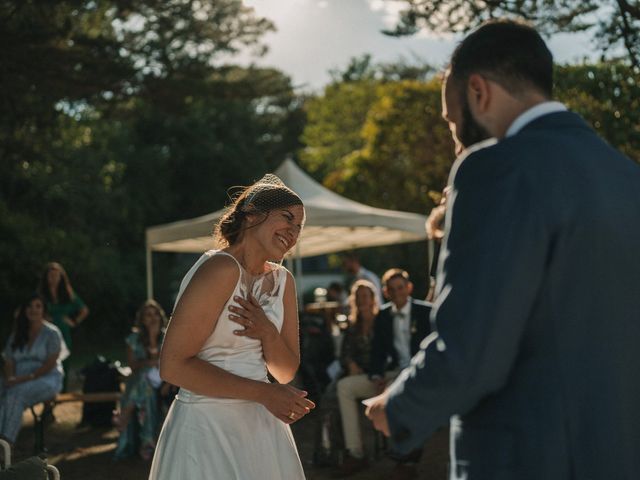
435 221
376 413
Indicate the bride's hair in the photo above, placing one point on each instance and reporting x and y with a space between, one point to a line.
268 193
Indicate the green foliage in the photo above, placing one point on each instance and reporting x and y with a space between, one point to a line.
614 24
407 151
334 124
607 95
380 142
115 116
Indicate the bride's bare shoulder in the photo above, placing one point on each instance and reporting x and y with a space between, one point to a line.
218 267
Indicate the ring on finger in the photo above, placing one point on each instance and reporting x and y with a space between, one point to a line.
292 415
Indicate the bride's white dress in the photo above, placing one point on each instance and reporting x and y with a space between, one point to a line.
222 438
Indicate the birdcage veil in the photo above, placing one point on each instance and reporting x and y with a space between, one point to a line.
267 194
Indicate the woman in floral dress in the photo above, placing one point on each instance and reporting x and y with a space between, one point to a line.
139 418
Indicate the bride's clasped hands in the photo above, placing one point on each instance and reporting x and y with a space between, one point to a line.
286 403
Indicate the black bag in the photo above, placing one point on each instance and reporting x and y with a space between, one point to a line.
99 376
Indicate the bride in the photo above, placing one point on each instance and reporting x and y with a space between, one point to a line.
235 321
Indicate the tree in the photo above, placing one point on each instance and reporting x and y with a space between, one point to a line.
59 57
607 95
614 23
401 156
406 153
334 120
334 123
100 102
62 59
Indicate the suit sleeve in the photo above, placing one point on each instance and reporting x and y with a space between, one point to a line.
490 271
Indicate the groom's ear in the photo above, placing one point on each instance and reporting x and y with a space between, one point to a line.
478 93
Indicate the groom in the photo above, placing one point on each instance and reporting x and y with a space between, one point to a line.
537 350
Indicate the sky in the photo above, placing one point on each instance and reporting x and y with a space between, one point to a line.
314 36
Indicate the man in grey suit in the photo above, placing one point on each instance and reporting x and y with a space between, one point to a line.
536 353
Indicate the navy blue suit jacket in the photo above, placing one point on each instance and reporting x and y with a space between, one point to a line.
382 348
537 350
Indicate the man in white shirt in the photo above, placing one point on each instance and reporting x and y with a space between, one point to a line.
351 263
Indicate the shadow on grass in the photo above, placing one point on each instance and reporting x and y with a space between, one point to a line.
82 453
79 452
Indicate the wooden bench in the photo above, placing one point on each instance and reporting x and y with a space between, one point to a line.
48 406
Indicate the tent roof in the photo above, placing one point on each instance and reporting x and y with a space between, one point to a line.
333 223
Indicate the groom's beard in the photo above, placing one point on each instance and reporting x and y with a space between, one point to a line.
472 132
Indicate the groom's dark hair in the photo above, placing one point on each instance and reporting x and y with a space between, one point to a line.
508 52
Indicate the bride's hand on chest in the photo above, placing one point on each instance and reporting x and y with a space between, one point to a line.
249 314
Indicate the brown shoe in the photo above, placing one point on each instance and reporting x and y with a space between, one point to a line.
350 466
403 471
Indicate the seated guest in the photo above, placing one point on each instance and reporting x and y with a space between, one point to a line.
398 330
140 416
355 353
355 357
32 365
351 264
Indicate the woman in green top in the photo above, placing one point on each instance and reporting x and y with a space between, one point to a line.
66 308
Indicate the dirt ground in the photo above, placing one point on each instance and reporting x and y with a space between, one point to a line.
82 453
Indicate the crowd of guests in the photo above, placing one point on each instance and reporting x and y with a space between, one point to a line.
377 343
38 347
36 354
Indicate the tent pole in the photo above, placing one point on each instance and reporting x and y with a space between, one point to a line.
299 275
149 274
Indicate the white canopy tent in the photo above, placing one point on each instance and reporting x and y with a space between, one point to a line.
333 224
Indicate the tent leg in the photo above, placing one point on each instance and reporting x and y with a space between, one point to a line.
149 274
298 277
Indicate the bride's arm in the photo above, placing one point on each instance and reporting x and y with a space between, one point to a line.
193 321
282 351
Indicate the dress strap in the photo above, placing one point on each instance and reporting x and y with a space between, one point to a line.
282 271
222 252
206 256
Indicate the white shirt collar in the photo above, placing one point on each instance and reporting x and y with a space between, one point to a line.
530 115
406 310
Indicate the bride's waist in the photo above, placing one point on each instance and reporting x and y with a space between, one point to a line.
253 366
187 396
